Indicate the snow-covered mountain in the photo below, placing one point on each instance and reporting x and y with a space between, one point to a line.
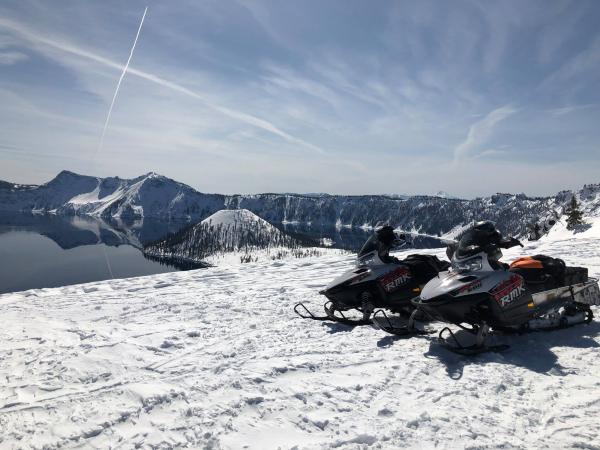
149 195
152 195
239 231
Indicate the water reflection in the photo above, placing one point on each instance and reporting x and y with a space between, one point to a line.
352 238
39 251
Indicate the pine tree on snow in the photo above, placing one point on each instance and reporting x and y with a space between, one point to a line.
574 214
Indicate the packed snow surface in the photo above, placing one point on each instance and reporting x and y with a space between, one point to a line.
215 358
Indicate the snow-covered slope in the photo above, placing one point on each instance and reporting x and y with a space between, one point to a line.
237 218
233 234
216 359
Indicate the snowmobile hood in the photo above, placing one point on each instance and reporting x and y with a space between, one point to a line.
347 278
451 282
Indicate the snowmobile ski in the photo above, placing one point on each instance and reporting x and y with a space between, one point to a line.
307 313
407 328
332 314
452 343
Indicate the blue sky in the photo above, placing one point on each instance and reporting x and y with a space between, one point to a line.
468 97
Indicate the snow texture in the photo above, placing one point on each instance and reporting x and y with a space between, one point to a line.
216 359
232 217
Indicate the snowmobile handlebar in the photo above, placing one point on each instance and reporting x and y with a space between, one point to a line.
511 242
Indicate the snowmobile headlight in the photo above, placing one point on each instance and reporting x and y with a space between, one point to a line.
468 265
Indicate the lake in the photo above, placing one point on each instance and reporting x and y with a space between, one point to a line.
42 251
38 251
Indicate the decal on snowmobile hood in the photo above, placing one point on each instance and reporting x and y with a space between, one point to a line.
508 291
469 287
395 279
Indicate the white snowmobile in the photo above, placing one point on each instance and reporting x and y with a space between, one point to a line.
480 293
378 281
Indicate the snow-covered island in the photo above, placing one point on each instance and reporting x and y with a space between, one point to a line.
229 235
215 358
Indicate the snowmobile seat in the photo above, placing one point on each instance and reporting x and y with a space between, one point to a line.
548 271
575 275
425 267
540 271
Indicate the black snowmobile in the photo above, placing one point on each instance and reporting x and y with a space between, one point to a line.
378 281
480 293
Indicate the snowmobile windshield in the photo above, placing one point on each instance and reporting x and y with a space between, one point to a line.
476 241
369 246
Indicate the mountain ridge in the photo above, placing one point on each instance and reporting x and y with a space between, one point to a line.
155 196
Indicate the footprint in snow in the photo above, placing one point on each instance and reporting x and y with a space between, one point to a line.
135 289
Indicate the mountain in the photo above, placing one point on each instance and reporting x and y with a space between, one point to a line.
429 215
227 231
155 196
149 195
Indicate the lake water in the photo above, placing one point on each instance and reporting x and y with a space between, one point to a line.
50 251
41 251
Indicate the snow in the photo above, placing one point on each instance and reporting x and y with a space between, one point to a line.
326 242
455 232
559 232
149 195
264 255
229 217
215 358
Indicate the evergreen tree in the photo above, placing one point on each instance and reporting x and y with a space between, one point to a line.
574 215
535 230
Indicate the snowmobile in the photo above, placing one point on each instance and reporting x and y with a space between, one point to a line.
377 281
479 293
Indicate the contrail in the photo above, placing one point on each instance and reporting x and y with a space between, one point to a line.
112 103
107 121
107 262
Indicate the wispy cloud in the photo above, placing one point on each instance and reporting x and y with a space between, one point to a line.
249 119
9 58
582 63
570 109
480 131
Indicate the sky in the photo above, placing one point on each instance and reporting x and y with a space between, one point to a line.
345 97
